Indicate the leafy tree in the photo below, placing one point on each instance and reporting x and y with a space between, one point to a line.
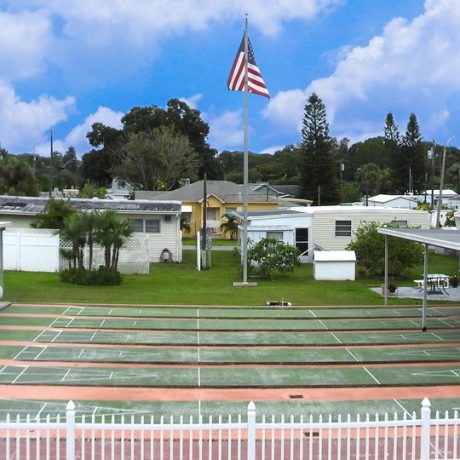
369 246
319 168
74 230
268 255
96 166
54 215
229 226
16 176
349 192
155 160
91 191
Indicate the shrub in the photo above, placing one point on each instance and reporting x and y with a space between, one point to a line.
361 272
269 255
100 277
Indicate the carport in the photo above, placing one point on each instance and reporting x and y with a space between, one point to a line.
449 239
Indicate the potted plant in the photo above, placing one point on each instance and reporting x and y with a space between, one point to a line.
454 280
392 287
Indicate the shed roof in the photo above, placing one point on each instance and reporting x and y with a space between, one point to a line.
334 256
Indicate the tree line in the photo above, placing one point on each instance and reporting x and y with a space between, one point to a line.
156 149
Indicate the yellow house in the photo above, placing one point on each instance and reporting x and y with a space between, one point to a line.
222 197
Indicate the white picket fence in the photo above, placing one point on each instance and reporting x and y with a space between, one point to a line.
410 437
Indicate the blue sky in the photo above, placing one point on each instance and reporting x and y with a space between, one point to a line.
69 63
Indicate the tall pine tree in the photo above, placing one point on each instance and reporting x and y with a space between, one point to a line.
414 156
392 143
319 166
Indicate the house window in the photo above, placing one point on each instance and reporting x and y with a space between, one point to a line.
152 226
186 217
343 228
212 213
229 210
278 236
144 225
136 225
167 218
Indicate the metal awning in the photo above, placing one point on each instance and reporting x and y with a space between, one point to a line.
449 239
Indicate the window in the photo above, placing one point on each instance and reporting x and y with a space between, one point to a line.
212 213
167 218
278 236
144 225
343 228
228 210
136 225
152 226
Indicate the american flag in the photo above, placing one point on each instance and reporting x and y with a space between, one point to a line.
235 80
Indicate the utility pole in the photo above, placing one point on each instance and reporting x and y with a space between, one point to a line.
441 184
51 163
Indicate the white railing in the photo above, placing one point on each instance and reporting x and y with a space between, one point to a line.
409 437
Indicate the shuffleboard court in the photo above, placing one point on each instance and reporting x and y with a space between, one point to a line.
253 355
231 324
234 339
207 377
156 409
234 313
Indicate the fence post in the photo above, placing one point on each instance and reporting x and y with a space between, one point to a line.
425 436
251 431
70 427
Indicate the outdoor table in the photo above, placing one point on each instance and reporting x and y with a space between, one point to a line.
437 283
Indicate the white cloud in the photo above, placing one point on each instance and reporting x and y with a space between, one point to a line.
411 67
192 101
141 16
77 136
24 41
226 130
24 124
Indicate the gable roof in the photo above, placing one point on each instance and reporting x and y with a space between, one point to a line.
24 205
225 191
383 198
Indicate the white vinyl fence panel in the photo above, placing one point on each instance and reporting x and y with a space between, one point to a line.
34 250
414 436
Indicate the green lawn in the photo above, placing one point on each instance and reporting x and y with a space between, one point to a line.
182 284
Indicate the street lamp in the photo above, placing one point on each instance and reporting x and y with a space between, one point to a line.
441 184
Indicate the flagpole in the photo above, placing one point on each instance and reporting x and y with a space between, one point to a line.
245 158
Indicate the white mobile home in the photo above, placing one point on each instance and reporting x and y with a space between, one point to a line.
325 227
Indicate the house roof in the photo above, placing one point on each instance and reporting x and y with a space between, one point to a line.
382 198
226 191
35 205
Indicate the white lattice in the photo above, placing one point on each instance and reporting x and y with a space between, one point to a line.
133 258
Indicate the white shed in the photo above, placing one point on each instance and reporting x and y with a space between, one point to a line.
334 265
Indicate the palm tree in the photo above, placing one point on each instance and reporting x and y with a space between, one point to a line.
74 229
111 233
230 225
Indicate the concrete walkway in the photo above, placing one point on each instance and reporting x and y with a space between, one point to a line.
451 294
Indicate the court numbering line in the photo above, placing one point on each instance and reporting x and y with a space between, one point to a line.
19 375
352 354
372 375
335 337
403 408
20 352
